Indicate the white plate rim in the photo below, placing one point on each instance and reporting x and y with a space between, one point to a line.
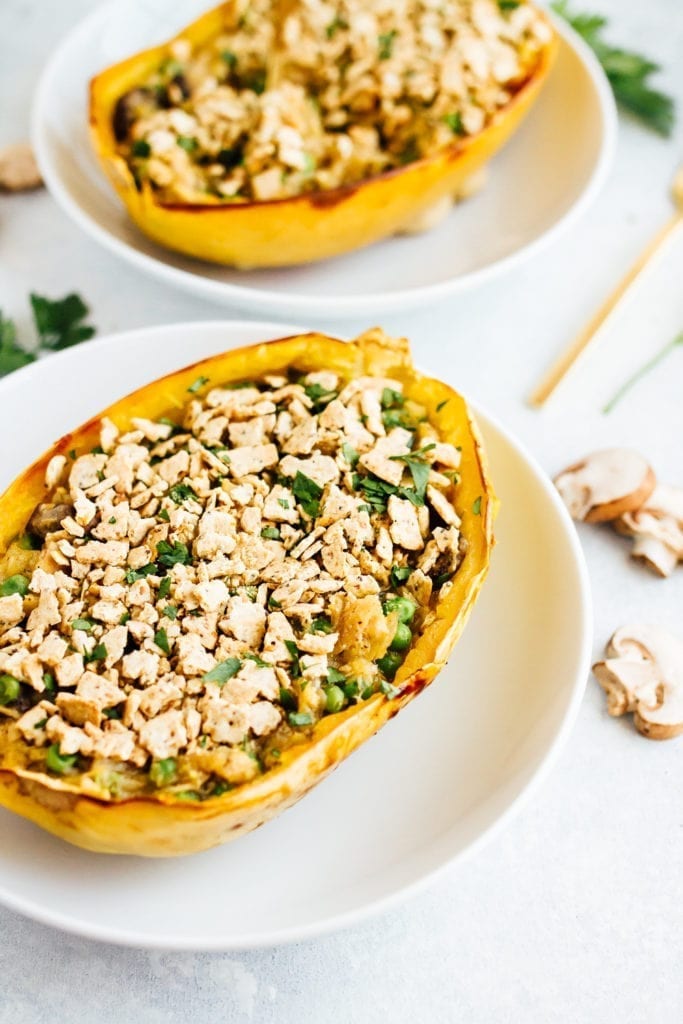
346 919
292 303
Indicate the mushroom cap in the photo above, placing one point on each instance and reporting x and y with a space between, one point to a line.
643 673
658 529
606 484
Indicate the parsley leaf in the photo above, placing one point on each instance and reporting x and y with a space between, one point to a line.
419 470
385 44
454 122
173 554
628 72
98 653
180 493
308 493
350 453
476 506
198 384
294 652
133 575
59 321
12 357
399 574
223 671
161 640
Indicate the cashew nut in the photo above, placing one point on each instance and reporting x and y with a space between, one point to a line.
18 169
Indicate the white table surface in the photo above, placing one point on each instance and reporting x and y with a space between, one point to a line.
575 912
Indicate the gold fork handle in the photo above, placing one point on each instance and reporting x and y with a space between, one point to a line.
563 365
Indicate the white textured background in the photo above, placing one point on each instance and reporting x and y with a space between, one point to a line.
575 913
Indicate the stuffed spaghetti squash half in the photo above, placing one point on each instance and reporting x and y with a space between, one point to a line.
217 589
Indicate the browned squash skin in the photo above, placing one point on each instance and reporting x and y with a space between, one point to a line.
158 825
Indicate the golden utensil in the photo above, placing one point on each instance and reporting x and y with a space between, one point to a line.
569 357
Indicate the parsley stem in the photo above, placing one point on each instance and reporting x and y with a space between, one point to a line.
642 372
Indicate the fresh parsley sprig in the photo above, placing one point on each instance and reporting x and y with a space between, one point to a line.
59 324
628 72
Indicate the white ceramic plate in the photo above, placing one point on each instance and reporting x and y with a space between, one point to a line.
539 184
421 794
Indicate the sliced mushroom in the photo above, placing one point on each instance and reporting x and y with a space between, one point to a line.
643 674
606 484
48 518
657 527
18 168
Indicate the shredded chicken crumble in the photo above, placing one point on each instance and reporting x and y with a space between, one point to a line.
311 95
202 591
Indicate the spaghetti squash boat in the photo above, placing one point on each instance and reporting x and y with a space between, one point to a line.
270 133
220 587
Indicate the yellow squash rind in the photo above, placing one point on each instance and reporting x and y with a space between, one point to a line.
315 226
158 825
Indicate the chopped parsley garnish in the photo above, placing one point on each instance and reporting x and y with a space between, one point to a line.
399 574
442 405
391 398
287 699
170 611
335 676
12 356
164 587
442 578
133 575
49 682
294 653
377 492
163 515
16 584
188 143
198 384
141 148
270 533
180 493
476 506
333 27
419 468
350 454
454 122
173 554
257 660
385 44
229 57
283 503
318 394
161 640
308 493
321 624
98 653
223 671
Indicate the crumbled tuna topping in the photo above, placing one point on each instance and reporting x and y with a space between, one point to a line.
204 589
312 96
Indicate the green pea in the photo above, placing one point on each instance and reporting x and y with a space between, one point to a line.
59 763
9 689
402 638
334 701
389 664
14 585
404 607
163 772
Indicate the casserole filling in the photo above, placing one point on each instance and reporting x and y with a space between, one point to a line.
300 97
195 593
